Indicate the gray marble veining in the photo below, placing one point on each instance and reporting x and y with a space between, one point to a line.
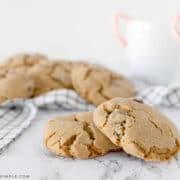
28 155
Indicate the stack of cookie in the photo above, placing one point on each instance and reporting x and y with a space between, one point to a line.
29 75
118 124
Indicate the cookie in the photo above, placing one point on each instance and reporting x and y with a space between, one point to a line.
97 84
22 61
15 85
50 75
76 136
138 129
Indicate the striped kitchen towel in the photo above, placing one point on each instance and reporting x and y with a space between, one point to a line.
16 115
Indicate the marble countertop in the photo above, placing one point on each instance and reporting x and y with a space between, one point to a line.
27 158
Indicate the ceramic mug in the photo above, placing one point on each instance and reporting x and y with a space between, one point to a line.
152 50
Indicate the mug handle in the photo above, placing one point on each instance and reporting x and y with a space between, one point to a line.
116 18
175 27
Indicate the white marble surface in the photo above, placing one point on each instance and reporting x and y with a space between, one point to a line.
28 156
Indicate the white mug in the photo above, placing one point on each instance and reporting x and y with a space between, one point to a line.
152 50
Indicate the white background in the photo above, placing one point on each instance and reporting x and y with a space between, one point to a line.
73 28
69 29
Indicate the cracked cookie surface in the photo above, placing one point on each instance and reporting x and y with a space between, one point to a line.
50 75
138 129
46 74
76 135
22 61
14 84
97 84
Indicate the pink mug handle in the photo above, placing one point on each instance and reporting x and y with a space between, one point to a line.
175 27
116 18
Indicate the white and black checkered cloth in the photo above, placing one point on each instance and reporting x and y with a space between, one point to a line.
16 115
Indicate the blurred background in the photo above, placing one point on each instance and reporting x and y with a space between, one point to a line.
73 29
82 30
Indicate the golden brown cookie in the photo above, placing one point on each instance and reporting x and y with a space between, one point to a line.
22 61
97 84
75 135
15 85
139 129
50 75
